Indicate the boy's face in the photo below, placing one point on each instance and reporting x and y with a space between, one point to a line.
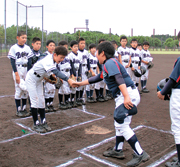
58 58
123 42
146 47
101 57
82 45
37 45
51 47
134 44
22 39
93 51
115 46
74 48
66 46
139 47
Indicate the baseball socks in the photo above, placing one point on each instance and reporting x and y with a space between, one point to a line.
91 93
133 142
101 92
60 96
42 114
97 93
88 94
178 151
119 143
24 101
35 115
18 104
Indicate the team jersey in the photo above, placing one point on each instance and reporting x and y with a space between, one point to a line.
76 59
125 53
44 66
19 53
135 55
83 54
116 54
110 69
47 53
145 55
93 60
175 75
65 64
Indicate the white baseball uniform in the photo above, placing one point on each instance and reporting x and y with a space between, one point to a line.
20 54
125 57
146 56
34 80
135 60
93 64
49 89
65 68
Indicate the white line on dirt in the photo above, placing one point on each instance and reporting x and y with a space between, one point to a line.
6 96
70 162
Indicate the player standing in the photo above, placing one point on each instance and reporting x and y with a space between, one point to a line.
126 97
18 56
43 68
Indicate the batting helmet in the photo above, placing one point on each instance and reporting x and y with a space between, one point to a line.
143 70
161 85
137 73
150 65
121 112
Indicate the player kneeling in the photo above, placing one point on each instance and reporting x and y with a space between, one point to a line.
43 68
126 98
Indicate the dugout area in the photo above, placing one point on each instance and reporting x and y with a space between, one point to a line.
80 136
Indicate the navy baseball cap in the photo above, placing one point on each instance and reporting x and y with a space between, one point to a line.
121 112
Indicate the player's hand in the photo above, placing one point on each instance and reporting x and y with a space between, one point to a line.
132 69
160 96
76 84
70 81
147 62
93 74
127 66
127 102
17 78
61 80
139 67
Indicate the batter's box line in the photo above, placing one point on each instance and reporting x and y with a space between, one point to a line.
68 127
70 162
156 163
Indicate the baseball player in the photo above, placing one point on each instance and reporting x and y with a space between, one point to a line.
115 47
34 82
135 61
76 70
124 54
49 89
93 64
83 53
126 96
66 69
145 59
18 56
139 46
35 54
173 84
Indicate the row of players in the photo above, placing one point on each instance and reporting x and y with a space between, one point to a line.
75 65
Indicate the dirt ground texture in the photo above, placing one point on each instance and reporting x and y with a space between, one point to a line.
76 129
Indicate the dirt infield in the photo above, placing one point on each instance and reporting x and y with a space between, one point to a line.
80 136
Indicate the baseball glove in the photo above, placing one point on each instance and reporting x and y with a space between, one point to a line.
51 79
79 79
88 74
59 83
150 65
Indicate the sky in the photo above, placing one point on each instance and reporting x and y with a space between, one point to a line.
119 15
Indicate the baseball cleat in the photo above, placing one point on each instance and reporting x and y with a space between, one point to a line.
20 114
113 153
78 102
137 159
105 98
38 128
100 99
88 100
26 113
145 90
172 164
51 108
62 106
46 127
73 104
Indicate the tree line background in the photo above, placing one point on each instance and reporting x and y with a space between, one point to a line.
157 41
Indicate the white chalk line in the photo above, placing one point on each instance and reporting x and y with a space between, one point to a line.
6 96
163 159
156 163
70 162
